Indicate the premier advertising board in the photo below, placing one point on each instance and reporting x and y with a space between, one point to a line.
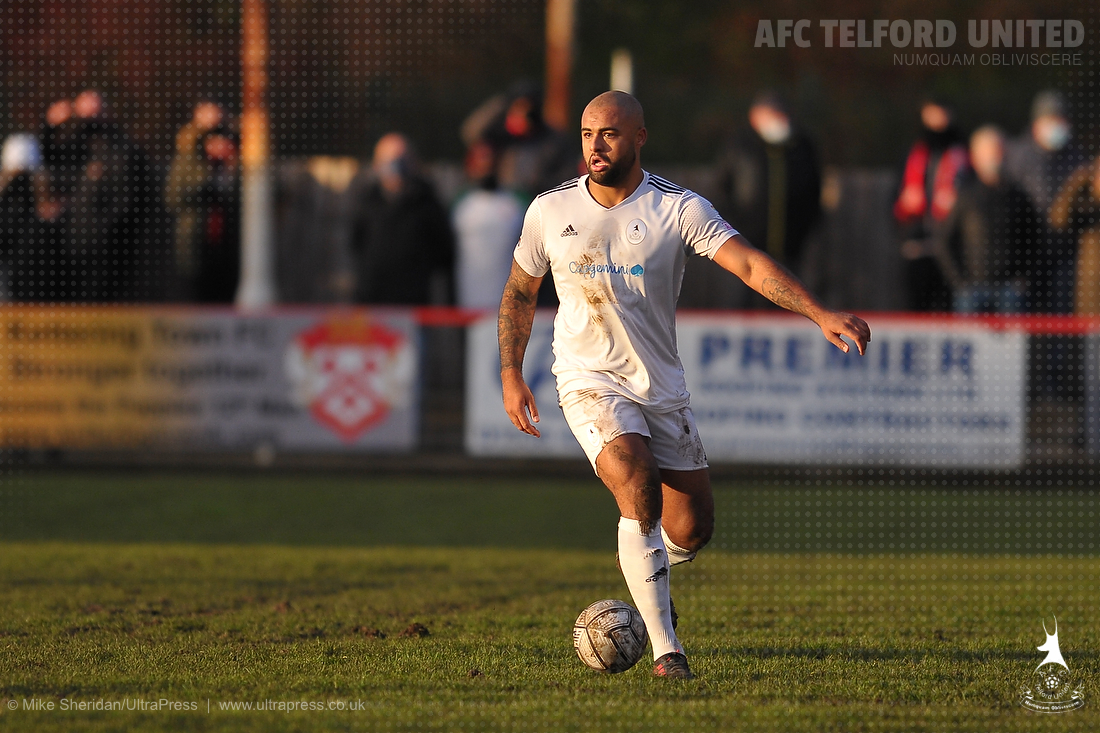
770 389
208 379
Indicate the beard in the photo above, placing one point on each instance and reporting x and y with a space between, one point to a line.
616 171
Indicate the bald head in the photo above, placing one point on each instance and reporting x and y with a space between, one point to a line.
612 135
626 108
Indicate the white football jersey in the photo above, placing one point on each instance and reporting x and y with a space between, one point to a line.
618 273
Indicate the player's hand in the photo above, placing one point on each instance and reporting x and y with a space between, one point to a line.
835 324
519 402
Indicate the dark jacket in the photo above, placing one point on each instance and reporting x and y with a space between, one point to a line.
753 172
18 232
401 245
64 153
204 197
108 185
1041 173
989 235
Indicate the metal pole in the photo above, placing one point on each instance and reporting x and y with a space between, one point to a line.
622 71
559 62
257 286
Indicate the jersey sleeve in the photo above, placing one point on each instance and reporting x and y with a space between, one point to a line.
530 253
702 228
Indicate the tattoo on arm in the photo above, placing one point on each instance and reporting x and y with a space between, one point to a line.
787 293
517 313
767 277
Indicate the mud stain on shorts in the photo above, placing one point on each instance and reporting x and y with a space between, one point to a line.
603 419
689 445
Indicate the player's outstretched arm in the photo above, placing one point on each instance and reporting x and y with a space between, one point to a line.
517 314
776 283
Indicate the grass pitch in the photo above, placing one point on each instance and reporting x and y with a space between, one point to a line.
816 608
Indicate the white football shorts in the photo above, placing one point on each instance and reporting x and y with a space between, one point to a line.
597 417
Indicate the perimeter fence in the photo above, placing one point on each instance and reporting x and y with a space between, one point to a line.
418 389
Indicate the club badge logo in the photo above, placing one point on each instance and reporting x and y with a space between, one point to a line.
350 372
635 231
1052 688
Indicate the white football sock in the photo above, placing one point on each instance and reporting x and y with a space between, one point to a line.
676 554
645 568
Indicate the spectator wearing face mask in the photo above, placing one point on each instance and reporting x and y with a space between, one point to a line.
771 184
1040 161
401 234
934 168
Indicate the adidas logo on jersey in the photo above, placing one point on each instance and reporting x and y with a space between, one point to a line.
569 231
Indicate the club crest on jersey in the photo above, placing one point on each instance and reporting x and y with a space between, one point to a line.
635 231
569 231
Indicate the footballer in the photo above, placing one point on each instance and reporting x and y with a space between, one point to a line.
616 241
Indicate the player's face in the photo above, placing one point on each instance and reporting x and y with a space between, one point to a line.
609 142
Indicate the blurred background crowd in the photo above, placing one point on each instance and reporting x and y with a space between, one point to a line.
997 216
982 221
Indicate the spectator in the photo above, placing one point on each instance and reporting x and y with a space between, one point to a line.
487 223
772 182
314 204
203 191
929 188
106 184
983 242
1039 161
401 234
64 148
770 189
39 261
1076 210
531 157
20 163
